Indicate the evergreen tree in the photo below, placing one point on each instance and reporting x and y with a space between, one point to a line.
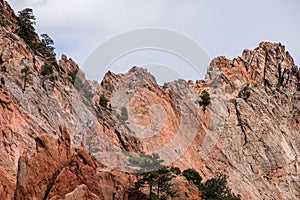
26 21
216 189
192 175
205 100
151 172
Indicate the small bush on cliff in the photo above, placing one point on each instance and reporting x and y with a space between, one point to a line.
176 170
72 76
216 189
103 101
47 69
124 114
26 72
192 175
205 100
4 69
2 81
47 72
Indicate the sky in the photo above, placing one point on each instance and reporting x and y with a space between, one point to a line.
220 27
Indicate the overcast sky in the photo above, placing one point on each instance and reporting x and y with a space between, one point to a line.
220 27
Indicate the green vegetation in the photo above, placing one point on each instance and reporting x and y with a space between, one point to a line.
3 21
216 189
78 84
124 114
278 86
4 69
72 76
46 48
26 21
48 42
175 170
244 93
205 100
93 157
47 72
2 81
192 175
84 87
152 173
26 72
103 101
47 69
53 78
92 143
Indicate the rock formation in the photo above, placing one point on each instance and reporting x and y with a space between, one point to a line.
57 142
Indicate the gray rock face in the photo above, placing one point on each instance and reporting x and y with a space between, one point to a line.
260 143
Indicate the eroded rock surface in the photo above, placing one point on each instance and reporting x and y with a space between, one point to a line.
58 142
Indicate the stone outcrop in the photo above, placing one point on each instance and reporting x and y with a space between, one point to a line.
259 144
57 142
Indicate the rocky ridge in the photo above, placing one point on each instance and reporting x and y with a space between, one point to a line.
57 142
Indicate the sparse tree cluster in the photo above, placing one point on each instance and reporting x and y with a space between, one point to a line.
26 22
153 174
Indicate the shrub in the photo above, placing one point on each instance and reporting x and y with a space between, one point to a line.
53 78
72 76
192 175
93 157
47 70
216 189
103 101
3 21
3 69
124 114
2 81
78 84
278 86
244 93
176 170
205 100
84 87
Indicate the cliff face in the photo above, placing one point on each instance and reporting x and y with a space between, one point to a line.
260 139
57 142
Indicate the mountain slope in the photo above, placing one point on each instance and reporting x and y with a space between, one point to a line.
57 142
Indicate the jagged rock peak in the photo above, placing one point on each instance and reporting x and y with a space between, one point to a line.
7 17
269 65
